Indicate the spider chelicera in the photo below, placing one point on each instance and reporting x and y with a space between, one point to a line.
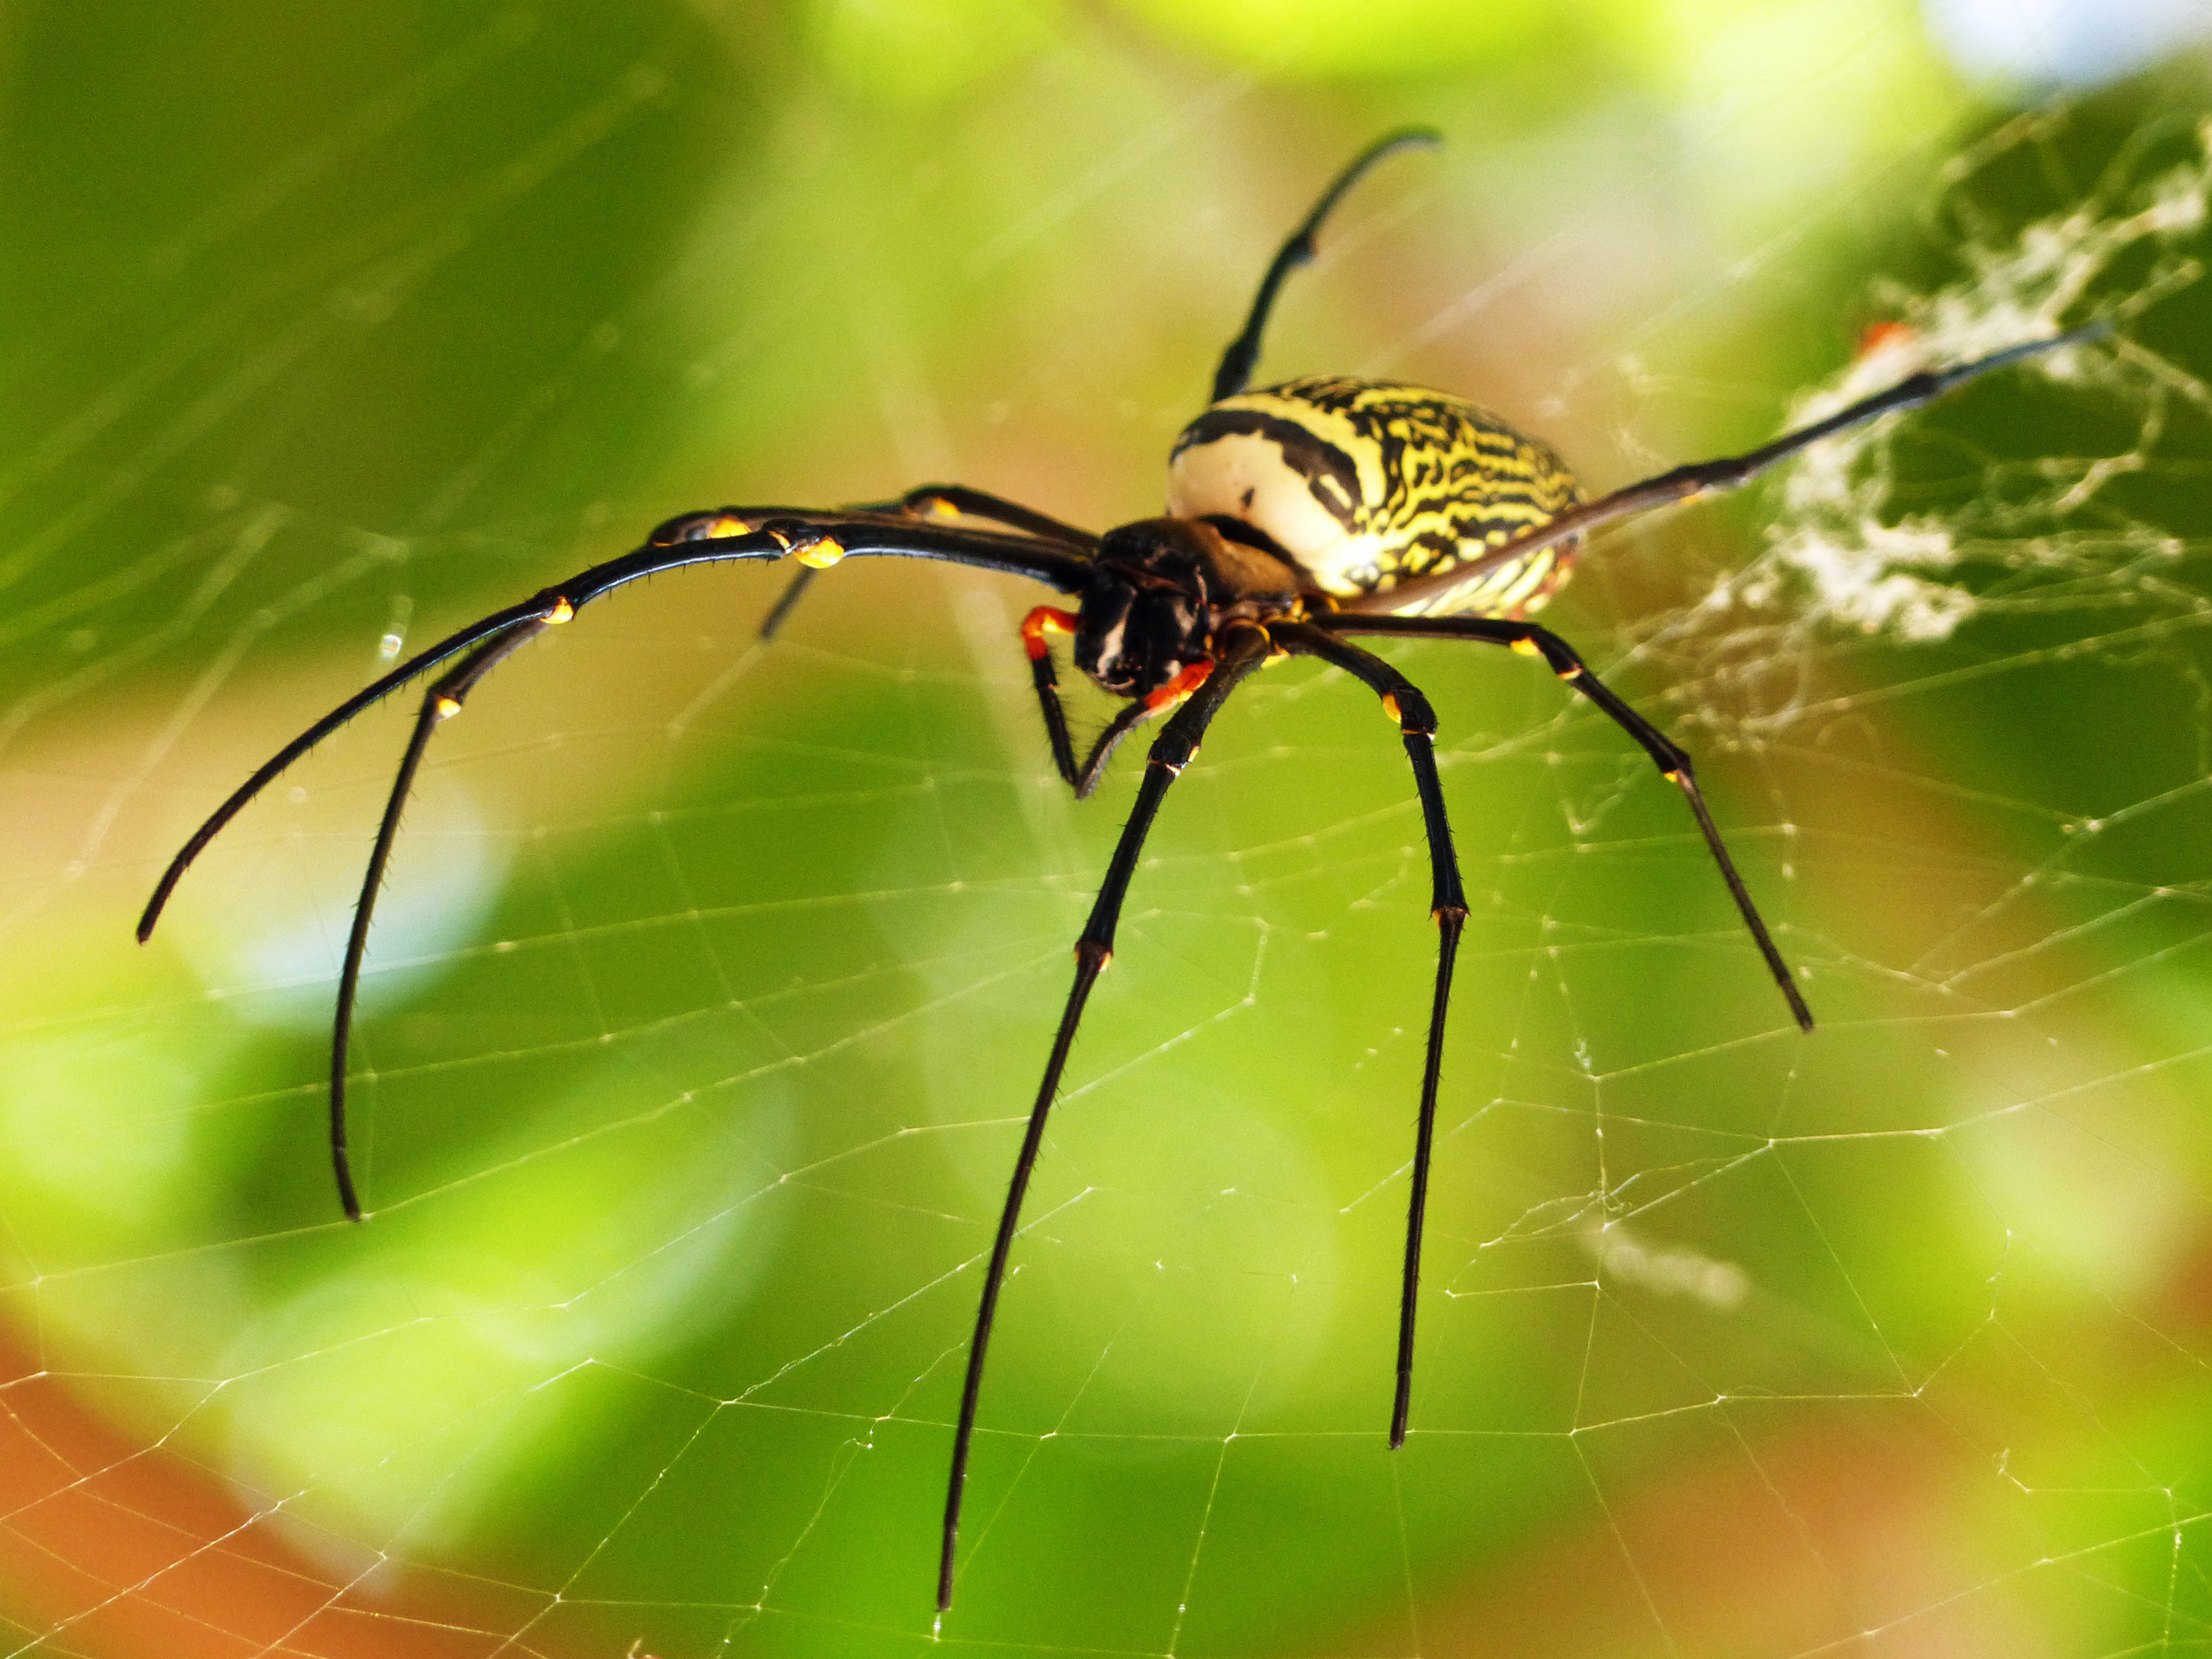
1297 515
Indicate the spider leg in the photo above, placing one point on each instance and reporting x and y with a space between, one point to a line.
1185 681
780 612
415 666
1709 478
1671 759
1171 751
722 536
1243 352
941 501
1403 701
442 702
935 501
1094 764
1049 620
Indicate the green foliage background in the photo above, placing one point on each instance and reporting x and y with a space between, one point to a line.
714 980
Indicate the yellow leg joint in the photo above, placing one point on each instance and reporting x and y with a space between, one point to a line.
447 708
1390 708
562 611
820 555
1526 647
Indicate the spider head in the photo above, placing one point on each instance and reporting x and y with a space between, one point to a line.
1162 588
1147 613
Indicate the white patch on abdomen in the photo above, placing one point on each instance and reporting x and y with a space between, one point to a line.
1243 475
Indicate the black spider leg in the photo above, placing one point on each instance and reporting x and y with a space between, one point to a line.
440 703
1710 477
1084 779
1671 759
780 612
266 773
1243 353
1403 701
1094 764
1171 751
927 502
719 536
1047 683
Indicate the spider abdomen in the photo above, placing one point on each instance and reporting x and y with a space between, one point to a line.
1367 484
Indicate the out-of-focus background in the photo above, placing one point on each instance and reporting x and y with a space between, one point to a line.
712 979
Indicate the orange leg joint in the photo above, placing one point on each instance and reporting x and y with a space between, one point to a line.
1042 621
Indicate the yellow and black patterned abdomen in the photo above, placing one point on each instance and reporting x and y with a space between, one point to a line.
1367 484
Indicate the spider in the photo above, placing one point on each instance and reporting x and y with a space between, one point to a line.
1296 516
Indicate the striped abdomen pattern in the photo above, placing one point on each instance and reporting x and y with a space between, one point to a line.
1366 484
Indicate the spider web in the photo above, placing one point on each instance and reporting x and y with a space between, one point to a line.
712 979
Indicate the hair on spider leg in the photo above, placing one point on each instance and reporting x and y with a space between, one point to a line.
1297 515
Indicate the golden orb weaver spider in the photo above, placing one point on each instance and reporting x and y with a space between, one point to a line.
1295 515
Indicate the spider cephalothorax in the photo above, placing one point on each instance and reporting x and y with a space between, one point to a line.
1298 516
1163 591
